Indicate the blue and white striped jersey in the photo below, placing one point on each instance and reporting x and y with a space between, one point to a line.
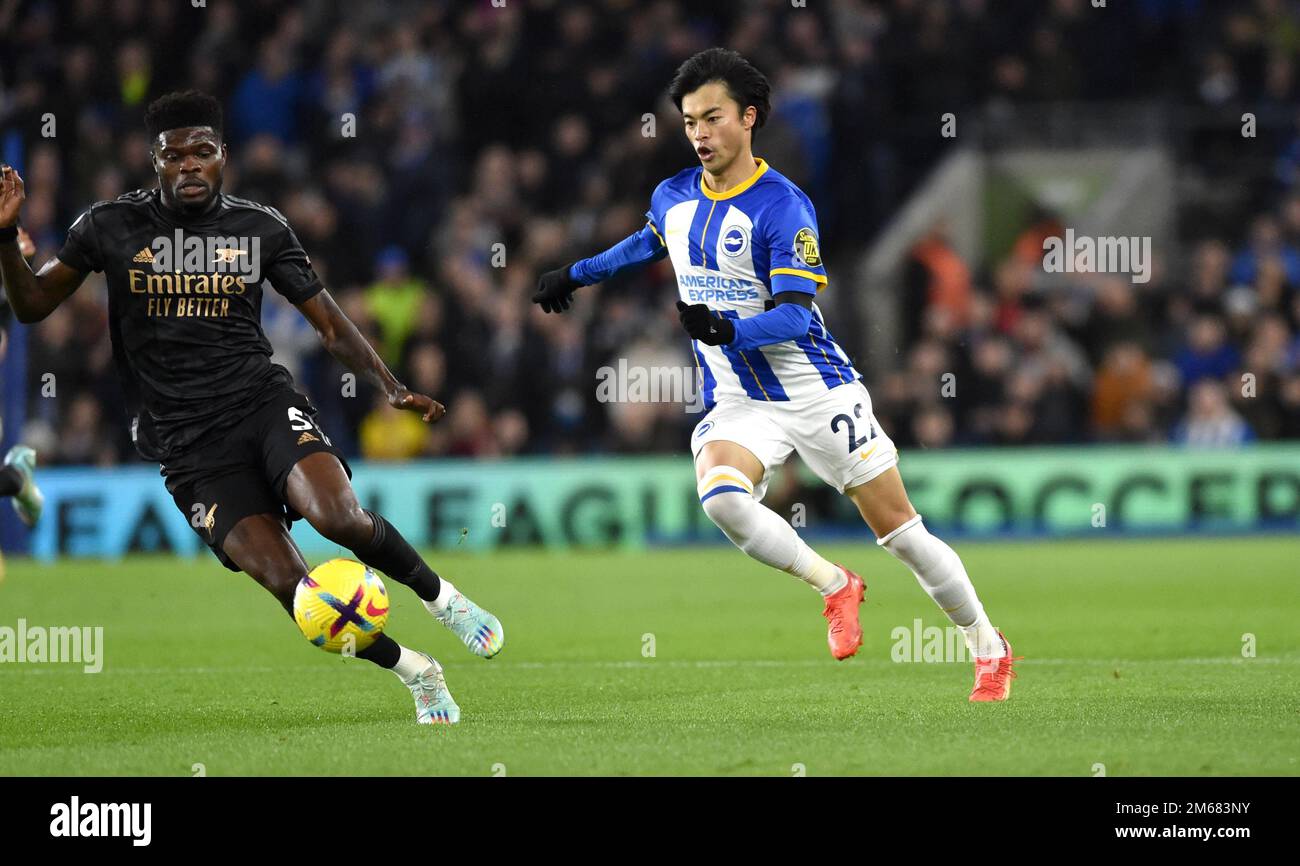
734 251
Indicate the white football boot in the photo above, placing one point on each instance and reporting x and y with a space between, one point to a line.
28 502
478 629
433 703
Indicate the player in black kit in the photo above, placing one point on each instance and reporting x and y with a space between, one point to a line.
240 449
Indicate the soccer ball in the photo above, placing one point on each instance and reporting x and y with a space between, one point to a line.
341 604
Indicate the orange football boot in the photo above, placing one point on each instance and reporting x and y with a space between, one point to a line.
845 632
993 676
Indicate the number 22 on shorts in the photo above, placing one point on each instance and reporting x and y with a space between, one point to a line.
854 442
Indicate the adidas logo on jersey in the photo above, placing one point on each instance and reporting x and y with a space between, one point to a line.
145 255
305 438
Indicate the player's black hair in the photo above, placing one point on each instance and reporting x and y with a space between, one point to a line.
745 84
181 109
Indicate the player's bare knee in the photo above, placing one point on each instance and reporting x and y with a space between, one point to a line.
883 516
344 523
893 521
719 455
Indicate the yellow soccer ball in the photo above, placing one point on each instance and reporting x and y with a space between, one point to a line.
342 604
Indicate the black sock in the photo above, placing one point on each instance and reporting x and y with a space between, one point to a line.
11 481
389 552
384 652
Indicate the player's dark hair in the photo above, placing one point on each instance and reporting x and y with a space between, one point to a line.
745 84
181 109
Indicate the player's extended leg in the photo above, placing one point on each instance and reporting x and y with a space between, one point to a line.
884 505
318 488
727 474
261 546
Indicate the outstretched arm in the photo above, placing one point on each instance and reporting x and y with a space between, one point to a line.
33 296
633 251
555 288
342 340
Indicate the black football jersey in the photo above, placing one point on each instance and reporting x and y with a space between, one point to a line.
185 309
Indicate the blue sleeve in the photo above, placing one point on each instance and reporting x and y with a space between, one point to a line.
782 322
790 231
634 250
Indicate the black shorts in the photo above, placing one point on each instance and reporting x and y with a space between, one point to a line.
243 470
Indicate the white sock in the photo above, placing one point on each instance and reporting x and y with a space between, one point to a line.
728 499
941 574
409 665
445 592
982 639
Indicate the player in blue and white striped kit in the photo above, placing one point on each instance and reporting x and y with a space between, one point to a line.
743 241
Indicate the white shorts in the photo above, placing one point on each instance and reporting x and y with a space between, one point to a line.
836 435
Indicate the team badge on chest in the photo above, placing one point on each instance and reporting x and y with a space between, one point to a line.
735 241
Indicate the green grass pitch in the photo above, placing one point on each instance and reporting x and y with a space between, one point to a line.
1133 661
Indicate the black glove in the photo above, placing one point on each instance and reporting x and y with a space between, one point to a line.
702 325
555 290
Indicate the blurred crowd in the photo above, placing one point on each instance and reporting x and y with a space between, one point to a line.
1205 355
435 156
